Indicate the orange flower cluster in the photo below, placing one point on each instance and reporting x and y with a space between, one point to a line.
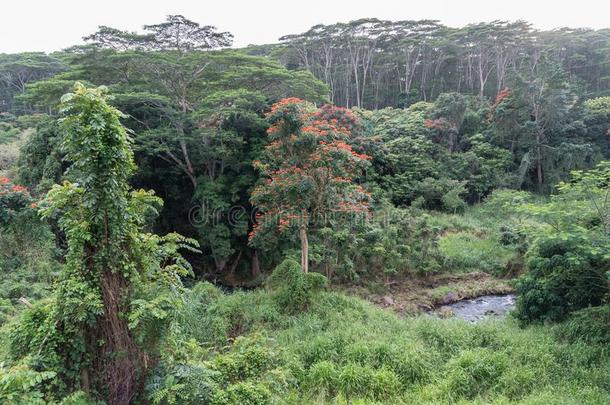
18 189
341 145
9 186
283 224
315 130
273 130
284 103
504 93
255 228
337 116
287 170
439 124
327 166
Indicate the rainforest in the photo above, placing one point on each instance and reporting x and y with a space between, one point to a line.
368 212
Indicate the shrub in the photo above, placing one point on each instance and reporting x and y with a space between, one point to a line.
355 380
248 358
518 381
22 385
33 341
562 277
244 393
384 384
27 248
439 194
293 289
323 375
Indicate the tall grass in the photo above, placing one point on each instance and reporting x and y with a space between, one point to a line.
464 252
344 350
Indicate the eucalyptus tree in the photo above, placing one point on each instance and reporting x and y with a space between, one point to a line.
374 63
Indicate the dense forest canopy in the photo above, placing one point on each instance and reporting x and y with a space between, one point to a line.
407 162
466 110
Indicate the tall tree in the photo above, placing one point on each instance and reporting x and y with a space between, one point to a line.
308 171
177 33
108 256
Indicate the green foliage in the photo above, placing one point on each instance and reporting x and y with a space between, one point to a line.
344 349
20 384
569 258
7 132
474 372
17 70
589 325
464 252
197 119
440 194
561 278
27 251
248 372
109 262
35 342
294 290
40 162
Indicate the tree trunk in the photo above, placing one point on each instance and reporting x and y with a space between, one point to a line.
539 170
119 363
304 249
255 267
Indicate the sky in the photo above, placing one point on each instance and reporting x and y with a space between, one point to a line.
50 25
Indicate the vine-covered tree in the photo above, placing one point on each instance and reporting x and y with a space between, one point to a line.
86 336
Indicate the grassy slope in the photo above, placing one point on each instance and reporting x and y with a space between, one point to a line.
345 349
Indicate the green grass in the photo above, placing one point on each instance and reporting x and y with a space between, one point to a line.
465 252
344 350
473 240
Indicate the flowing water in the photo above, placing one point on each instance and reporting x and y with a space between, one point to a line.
479 308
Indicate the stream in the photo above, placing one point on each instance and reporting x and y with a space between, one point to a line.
476 309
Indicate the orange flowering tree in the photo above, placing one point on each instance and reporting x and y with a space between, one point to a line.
14 199
308 171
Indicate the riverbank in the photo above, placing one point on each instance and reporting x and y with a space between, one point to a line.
416 295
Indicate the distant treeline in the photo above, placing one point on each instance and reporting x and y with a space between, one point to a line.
373 63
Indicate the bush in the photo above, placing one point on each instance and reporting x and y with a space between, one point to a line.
34 341
27 248
518 381
293 290
355 380
248 358
439 194
345 350
22 385
247 372
562 278
244 393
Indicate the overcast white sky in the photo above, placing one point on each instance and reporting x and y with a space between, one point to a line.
49 25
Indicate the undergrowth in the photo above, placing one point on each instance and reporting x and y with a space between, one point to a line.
247 348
